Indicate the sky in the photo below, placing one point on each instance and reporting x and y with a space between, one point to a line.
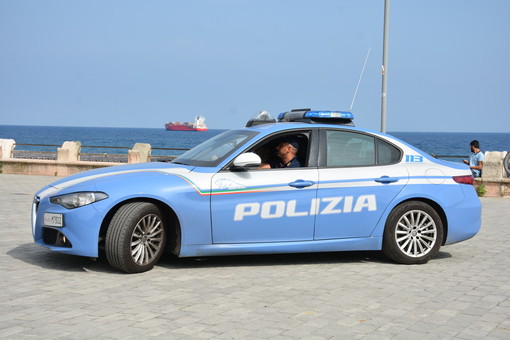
125 63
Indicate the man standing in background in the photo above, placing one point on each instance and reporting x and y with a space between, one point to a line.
475 159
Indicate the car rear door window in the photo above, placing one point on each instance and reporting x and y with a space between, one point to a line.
352 149
345 148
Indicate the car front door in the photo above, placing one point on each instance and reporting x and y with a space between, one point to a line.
360 175
265 205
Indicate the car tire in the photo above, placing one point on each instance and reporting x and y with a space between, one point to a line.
413 233
136 237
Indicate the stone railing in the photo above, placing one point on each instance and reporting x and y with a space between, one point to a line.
67 161
494 181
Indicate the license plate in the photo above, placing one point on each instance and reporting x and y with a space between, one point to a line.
53 220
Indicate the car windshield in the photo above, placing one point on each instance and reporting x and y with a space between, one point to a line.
214 151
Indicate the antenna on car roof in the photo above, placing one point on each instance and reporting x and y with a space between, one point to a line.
359 80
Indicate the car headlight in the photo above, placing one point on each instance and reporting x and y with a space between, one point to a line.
78 199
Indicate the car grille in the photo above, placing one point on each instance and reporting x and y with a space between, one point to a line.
54 237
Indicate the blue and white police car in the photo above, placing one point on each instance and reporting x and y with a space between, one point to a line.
347 189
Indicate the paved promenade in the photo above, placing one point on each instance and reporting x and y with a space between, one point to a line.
464 293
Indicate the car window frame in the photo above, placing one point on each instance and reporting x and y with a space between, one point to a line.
312 155
322 149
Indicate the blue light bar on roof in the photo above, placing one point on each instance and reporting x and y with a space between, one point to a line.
317 116
329 114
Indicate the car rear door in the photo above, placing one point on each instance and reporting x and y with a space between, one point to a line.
359 175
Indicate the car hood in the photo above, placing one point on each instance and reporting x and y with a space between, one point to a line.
87 178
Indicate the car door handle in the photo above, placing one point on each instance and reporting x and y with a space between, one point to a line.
386 179
301 184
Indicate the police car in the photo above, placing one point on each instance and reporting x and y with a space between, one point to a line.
349 189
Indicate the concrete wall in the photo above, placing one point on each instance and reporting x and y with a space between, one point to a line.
68 160
494 180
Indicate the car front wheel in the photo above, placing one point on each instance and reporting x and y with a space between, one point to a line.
413 233
136 237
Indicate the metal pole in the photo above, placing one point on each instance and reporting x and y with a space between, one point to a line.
385 64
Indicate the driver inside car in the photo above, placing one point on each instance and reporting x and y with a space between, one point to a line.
285 152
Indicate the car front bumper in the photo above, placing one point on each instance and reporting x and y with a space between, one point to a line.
79 234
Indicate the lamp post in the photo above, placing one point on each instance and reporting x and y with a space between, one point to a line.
385 64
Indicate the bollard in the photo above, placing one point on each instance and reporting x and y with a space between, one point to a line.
140 153
7 148
493 168
69 152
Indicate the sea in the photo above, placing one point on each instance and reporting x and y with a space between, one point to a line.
172 143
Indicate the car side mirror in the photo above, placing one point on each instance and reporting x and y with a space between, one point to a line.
247 160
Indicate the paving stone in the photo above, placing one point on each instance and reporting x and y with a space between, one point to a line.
464 293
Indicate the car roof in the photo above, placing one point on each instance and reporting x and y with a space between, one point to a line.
282 126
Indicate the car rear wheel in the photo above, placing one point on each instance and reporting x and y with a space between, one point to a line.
136 237
413 233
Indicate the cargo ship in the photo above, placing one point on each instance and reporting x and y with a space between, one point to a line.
197 125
